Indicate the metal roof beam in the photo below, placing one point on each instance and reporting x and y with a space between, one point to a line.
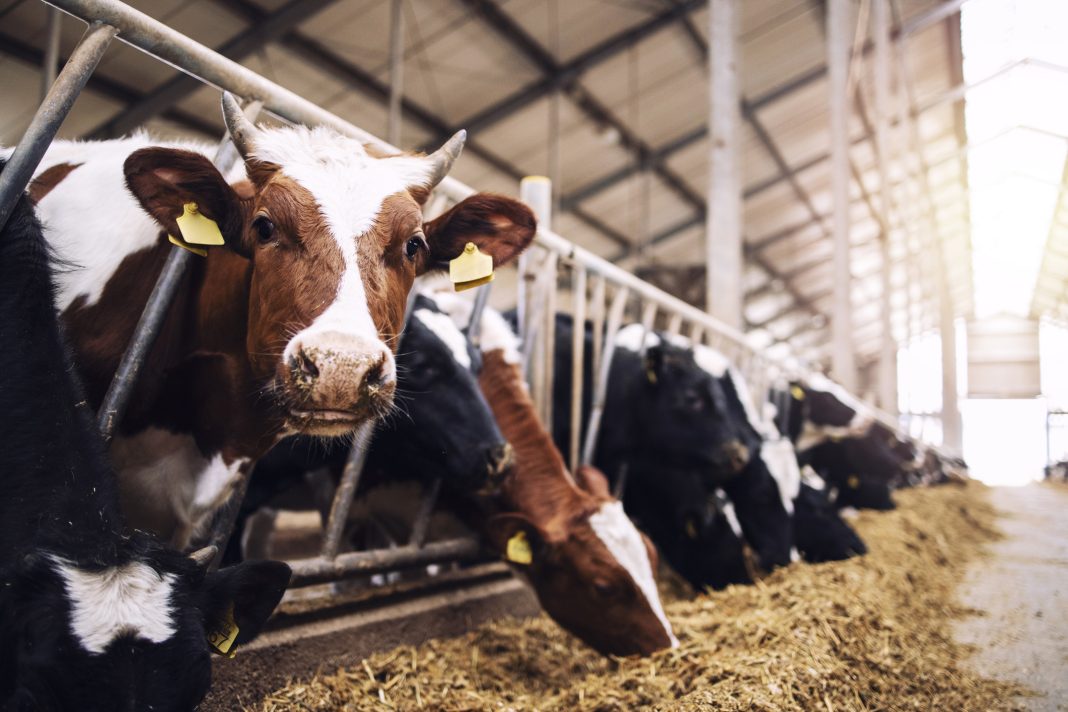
264 30
109 88
567 74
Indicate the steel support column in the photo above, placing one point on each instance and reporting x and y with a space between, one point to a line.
839 35
888 347
723 236
396 71
951 422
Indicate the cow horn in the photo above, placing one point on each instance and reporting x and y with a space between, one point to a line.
203 557
242 131
442 158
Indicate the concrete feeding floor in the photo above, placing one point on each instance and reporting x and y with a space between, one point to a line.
1023 588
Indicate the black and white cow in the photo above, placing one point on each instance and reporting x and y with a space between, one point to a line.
91 617
445 428
835 434
678 427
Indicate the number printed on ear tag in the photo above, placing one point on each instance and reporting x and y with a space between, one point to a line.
198 229
222 639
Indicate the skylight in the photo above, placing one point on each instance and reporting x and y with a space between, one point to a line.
1015 57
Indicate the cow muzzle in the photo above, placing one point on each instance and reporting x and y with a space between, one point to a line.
334 382
735 456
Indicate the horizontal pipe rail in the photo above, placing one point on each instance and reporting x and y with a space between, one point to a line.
307 572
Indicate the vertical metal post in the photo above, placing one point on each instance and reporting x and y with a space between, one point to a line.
838 48
604 370
159 302
538 318
597 307
723 234
888 347
51 58
578 355
46 122
396 71
951 422
346 490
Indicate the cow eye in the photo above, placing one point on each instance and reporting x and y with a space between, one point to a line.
605 588
264 228
415 243
693 401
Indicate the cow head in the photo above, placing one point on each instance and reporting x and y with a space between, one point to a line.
445 427
592 570
819 531
694 527
123 636
334 237
679 412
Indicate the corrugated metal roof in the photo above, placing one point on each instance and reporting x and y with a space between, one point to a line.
651 93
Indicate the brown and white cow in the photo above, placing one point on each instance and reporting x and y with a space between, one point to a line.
591 568
287 329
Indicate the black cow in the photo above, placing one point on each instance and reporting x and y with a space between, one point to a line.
855 457
91 617
820 534
445 428
676 430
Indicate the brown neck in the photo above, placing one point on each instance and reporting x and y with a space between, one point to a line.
540 486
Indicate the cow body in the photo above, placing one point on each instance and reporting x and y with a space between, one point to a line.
90 618
287 329
592 570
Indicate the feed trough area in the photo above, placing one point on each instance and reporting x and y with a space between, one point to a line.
533 355
869 633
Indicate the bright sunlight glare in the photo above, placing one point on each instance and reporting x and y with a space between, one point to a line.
1016 61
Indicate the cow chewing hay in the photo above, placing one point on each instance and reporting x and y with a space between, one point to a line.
866 633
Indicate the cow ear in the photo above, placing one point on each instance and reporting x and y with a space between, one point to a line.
593 481
516 538
500 227
653 363
244 595
165 180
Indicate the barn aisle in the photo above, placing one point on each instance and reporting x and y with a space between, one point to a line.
1021 586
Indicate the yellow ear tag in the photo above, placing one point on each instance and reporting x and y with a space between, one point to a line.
186 246
471 268
222 638
797 392
691 529
198 229
853 482
518 549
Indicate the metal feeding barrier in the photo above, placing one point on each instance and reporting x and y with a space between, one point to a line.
600 292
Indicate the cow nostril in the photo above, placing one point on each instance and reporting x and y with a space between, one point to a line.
376 374
305 365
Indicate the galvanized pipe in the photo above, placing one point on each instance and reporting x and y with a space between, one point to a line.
50 67
346 490
578 354
159 302
597 307
396 71
422 517
307 572
604 370
46 122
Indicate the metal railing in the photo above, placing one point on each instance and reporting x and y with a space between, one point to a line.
600 291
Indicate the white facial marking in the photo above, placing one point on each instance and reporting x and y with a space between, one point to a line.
731 515
350 187
446 331
711 361
781 460
132 599
810 478
621 538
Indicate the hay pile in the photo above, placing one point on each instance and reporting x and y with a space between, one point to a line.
871 633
